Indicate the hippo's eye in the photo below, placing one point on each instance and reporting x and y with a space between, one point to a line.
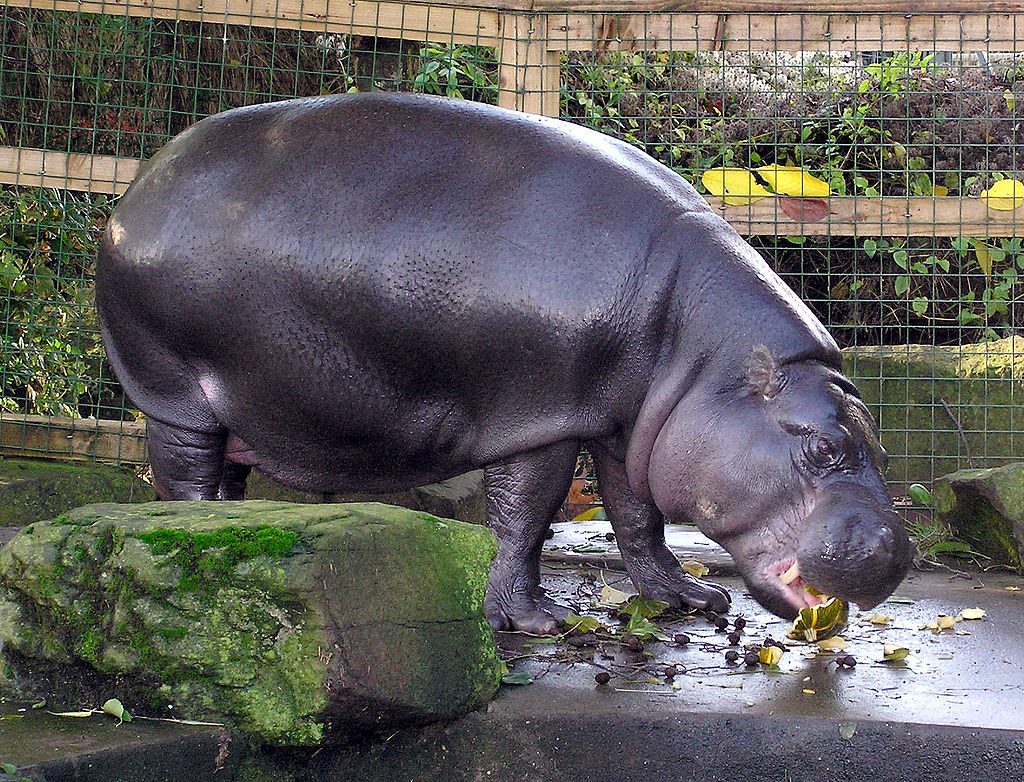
823 451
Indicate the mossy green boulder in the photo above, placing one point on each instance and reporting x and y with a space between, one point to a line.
301 624
937 406
36 490
986 509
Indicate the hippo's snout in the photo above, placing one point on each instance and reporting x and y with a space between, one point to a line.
856 547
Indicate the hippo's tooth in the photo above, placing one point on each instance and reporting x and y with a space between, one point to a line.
791 575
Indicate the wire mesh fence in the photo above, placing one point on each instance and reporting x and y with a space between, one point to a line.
868 150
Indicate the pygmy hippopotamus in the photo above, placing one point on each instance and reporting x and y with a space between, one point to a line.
374 292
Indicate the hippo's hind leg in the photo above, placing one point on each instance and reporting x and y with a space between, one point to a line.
523 495
187 465
640 533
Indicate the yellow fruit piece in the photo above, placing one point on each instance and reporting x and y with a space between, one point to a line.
769 655
794 181
971 613
821 621
735 186
696 568
1005 195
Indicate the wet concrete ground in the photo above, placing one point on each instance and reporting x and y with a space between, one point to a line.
971 675
952 710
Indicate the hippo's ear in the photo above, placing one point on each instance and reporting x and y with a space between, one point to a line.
762 373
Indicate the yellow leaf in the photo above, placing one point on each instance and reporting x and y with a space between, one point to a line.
1010 98
735 186
794 181
946 622
1005 195
879 619
610 596
695 568
769 655
984 257
971 613
940 190
834 644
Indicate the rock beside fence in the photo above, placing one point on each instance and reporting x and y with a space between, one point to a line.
35 490
300 624
937 406
459 498
986 509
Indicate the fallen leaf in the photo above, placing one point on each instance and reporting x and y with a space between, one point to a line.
735 186
981 252
585 624
879 619
940 190
1005 195
892 653
834 644
804 210
971 613
847 730
794 181
114 708
517 678
612 597
695 568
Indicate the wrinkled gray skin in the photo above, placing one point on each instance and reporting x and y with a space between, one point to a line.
374 292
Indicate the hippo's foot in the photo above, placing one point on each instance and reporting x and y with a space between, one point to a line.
529 611
681 590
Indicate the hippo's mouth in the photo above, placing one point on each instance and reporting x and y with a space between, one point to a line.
785 573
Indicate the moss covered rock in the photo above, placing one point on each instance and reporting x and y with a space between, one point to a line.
986 509
302 624
935 406
35 489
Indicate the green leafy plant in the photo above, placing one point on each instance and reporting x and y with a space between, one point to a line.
51 351
458 72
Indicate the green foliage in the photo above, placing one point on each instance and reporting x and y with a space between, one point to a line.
51 351
458 72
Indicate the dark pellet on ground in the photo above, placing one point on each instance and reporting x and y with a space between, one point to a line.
602 677
682 639
609 536
733 639
670 672
739 623
849 661
732 656
721 623
751 659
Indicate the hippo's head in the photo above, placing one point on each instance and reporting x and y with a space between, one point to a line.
783 468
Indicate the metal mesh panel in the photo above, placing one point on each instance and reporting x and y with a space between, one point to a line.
907 118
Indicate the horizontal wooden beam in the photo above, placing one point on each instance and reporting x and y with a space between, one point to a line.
787 32
89 439
46 168
441 23
863 216
895 7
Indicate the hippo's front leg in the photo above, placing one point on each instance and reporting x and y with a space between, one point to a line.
523 495
640 533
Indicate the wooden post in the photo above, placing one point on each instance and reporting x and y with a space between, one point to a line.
528 74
